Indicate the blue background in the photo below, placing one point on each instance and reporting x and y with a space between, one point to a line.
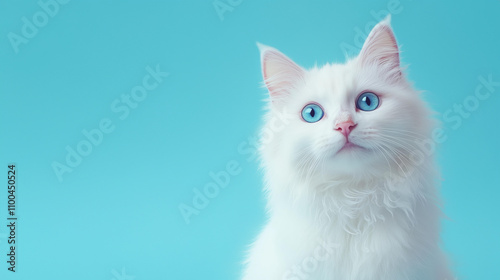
117 213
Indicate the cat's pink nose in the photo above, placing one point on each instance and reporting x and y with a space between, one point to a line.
345 127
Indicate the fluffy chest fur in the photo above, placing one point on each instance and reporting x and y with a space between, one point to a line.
353 232
359 232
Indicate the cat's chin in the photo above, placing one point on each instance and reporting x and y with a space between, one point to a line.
352 159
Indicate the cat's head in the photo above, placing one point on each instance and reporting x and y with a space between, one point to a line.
357 118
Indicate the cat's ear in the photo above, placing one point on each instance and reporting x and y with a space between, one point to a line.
381 49
280 73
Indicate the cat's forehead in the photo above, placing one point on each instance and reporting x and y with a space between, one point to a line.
332 81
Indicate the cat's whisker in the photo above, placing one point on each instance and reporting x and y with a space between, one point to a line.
391 157
413 150
397 143
402 132
386 159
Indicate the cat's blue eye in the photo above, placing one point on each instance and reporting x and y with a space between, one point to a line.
312 113
367 101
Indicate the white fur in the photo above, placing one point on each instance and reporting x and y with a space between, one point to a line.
369 213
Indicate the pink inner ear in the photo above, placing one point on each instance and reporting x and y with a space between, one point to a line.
381 49
279 72
265 73
392 46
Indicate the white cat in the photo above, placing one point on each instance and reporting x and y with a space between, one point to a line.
349 172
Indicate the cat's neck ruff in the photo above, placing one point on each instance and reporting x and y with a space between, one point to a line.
350 202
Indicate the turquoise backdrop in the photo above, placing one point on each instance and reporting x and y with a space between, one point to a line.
118 113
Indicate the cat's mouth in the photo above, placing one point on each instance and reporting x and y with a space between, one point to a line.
349 146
